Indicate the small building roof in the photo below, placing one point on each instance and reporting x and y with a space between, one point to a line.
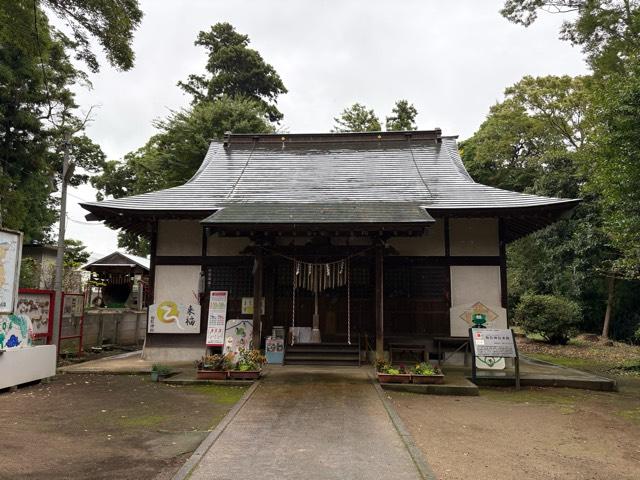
119 259
352 178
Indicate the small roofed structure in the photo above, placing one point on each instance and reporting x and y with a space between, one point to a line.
118 280
364 239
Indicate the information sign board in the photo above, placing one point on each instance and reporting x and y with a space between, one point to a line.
217 317
493 343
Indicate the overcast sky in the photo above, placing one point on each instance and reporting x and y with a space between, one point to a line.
451 59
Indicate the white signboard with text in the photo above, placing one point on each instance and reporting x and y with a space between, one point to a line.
172 317
493 343
10 252
217 318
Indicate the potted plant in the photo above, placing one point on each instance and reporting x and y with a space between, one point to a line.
426 373
213 367
159 372
249 365
387 373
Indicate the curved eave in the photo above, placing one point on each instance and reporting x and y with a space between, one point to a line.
518 221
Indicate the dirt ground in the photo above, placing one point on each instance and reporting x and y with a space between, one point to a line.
532 434
106 427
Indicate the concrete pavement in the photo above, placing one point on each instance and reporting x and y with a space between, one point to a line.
310 423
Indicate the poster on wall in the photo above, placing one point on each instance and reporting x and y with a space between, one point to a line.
247 306
217 318
172 317
10 252
238 334
36 306
15 332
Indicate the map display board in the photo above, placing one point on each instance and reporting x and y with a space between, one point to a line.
217 318
10 252
172 317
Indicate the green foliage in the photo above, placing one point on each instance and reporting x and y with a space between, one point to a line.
555 318
234 70
607 30
36 114
357 118
615 170
250 360
29 273
403 117
75 253
161 369
425 368
110 22
238 96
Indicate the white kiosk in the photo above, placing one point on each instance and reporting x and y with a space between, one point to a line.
20 361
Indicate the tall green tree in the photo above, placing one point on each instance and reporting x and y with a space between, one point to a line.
234 70
110 23
615 170
237 95
357 118
608 31
75 254
403 117
534 142
37 111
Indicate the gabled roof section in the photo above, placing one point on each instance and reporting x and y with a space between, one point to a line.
264 178
119 259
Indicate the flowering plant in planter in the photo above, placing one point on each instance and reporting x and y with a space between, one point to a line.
387 373
426 373
214 367
249 365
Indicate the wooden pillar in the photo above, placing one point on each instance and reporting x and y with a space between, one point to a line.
257 300
379 302
502 238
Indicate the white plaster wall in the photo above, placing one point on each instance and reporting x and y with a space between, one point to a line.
179 237
27 364
177 283
474 236
226 246
470 284
430 244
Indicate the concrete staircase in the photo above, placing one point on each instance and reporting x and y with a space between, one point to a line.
322 354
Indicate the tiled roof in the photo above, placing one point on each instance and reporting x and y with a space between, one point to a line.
268 178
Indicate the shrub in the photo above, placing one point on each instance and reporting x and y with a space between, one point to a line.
555 318
161 369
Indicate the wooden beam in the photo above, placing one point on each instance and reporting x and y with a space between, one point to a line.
379 302
257 300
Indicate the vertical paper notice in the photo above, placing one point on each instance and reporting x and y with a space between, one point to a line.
217 318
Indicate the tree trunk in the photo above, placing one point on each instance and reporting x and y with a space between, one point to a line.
611 284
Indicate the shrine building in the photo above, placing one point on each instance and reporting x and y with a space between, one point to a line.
368 240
